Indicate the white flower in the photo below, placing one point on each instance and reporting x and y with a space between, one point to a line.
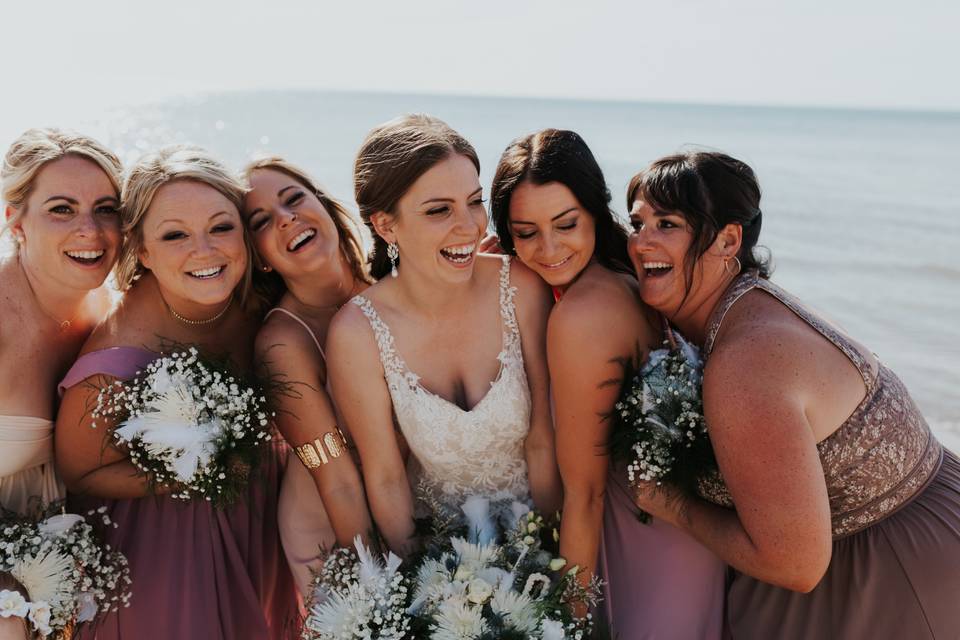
532 581
479 591
481 527
46 576
12 603
557 563
457 620
88 607
553 630
40 617
518 609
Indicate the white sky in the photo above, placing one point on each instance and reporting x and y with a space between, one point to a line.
74 56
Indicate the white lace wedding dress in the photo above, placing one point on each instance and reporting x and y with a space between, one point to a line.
458 453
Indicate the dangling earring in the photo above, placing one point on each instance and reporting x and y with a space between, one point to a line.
393 252
726 266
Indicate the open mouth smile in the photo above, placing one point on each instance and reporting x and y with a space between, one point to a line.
656 269
301 240
207 274
460 254
86 258
556 265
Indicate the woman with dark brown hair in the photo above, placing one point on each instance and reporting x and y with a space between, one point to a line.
835 505
447 347
551 207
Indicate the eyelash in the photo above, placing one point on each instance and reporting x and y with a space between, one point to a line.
527 236
176 235
479 202
636 225
62 209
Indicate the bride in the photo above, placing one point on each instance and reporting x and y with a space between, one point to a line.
448 347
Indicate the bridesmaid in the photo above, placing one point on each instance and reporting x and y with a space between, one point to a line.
198 572
311 263
835 504
551 208
62 206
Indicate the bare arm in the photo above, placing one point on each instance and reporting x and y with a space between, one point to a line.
360 393
304 414
589 338
780 532
85 461
534 302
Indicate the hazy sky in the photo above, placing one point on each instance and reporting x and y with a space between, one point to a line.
74 57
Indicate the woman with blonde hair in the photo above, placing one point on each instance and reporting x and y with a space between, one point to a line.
198 571
311 263
61 193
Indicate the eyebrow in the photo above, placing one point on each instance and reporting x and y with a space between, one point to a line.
559 215
74 201
429 200
279 195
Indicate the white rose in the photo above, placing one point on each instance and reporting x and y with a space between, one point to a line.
552 630
479 591
12 603
40 617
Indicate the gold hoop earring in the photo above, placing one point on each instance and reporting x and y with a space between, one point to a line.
726 266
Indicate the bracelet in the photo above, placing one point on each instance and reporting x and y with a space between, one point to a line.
322 450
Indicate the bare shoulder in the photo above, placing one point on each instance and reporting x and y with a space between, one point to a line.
602 307
762 350
533 295
349 331
282 344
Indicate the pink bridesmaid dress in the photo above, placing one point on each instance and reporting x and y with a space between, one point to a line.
199 573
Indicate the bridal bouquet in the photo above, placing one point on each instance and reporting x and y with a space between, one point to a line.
491 577
69 576
482 575
188 423
658 429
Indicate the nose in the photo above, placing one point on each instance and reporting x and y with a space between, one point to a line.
286 217
548 244
87 226
202 244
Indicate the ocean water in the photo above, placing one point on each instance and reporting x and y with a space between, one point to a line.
861 209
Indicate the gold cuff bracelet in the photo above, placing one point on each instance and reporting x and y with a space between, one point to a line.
322 450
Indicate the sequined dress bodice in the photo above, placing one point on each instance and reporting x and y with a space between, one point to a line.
459 453
882 456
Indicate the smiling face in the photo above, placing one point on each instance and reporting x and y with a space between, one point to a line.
658 248
193 244
70 225
291 229
552 233
440 221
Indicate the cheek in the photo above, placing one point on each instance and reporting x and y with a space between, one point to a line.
525 248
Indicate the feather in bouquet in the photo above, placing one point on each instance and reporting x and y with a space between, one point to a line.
70 577
658 428
188 423
357 595
490 577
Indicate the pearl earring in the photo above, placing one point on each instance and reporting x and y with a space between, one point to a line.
393 252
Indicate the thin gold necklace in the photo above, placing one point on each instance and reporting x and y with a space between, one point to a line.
196 323
64 325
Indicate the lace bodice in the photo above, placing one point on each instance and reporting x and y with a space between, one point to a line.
879 458
458 453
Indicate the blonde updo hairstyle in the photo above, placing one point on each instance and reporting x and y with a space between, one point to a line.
33 150
159 168
269 286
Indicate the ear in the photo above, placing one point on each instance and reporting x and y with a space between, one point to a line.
144 257
383 224
17 228
728 241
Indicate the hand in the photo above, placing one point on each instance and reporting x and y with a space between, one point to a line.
663 501
491 244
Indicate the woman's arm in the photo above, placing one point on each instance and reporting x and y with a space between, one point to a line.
780 532
305 415
86 461
534 302
360 393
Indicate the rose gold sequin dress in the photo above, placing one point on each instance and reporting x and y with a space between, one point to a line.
894 496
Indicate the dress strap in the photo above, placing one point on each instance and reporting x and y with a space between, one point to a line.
752 280
389 358
508 311
303 323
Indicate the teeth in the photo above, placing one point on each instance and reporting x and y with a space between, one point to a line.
556 264
656 265
86 255
461 250
300 237
206 273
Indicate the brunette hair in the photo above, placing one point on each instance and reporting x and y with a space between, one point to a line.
269 286
392 157
710 190
154 170
556 155
9 583
34 149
